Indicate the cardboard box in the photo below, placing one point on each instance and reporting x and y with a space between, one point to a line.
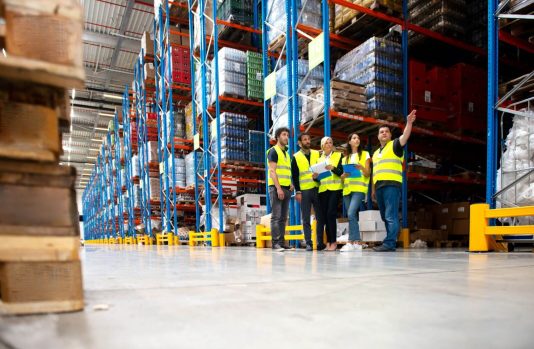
49 31
147 44
371 226
374 236
460 227
428 235
29 132
461 210
22 282
370 215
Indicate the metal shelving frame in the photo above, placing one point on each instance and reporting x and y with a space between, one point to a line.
165 115
118 179
110 185
128 153
495 104
142 142
334 40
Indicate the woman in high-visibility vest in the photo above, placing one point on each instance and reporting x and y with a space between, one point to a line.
356 173
330 190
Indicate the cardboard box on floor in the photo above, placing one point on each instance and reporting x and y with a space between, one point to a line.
428 235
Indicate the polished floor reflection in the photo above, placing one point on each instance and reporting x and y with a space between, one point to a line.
177 297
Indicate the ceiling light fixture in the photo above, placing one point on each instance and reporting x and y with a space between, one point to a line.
107 95
106 114
97 140
101 128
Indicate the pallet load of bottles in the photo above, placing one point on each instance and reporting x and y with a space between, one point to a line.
179 174
232 65
277 18
279 102
190 168
256 147
40 270
377 65
198 86
234 135
179 126
446 17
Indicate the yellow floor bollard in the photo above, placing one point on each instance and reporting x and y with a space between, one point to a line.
260 233
478 240
191 237
214 237
405 238
222 240
314 234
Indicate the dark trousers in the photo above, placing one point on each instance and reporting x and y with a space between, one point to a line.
328 201
279 211
309 199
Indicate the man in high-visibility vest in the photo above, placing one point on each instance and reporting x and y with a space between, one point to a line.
387 180
279 186
305 183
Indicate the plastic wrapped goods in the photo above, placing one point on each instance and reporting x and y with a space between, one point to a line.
516 160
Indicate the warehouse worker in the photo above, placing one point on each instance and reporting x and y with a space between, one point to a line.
330 190
305 183
387 180
279 186
355 188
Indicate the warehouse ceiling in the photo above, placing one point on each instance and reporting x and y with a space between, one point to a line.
111 44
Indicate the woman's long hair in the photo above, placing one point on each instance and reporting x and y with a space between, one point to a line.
348 149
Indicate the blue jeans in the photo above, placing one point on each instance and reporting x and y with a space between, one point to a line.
352 203
388 198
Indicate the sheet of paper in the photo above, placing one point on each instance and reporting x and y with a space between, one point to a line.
319 168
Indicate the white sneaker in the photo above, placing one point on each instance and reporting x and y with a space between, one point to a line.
347 248
358 247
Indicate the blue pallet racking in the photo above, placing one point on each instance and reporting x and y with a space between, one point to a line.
128 153
118 180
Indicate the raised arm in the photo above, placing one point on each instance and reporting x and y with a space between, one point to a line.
408 129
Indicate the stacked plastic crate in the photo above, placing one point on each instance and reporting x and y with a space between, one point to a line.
236 11
443 16
181 65
234 138
279 103
376 64
254 75
256 147
232 73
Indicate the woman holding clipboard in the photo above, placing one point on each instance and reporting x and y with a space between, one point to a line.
330 189
356 173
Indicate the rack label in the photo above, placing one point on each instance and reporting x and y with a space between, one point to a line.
316 51
196 141
270 86
161 168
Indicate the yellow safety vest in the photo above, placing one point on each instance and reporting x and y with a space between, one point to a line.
305 174
332 182
283 167
356 185
386 165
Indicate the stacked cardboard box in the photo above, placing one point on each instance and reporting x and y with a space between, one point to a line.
39 261
372 227
181 65
453 218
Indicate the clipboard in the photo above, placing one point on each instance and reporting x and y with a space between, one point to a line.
352 171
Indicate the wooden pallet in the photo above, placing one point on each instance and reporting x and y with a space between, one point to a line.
449 244
277 44
235 35
40 287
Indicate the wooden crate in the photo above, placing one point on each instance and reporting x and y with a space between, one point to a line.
40 287
37 199
29 132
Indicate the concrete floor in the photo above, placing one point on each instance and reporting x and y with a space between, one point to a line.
176 297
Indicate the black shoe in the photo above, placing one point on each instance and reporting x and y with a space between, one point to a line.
383 248
278 248
321 247
309 248
290 248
